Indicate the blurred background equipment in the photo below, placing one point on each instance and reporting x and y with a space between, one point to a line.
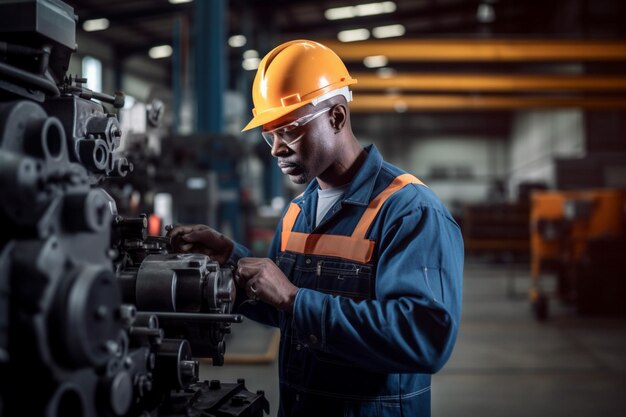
94 312
565 226
190 178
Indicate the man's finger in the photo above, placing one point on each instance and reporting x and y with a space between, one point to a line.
238 279
252 290
204 236
243 272
193 236
185 247
247 272
251 261
178 230
245 268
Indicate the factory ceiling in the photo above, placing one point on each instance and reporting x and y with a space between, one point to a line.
474 60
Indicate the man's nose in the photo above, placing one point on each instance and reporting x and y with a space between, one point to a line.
278 147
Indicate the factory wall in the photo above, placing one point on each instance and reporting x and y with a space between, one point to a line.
139 76
537 138
87 46
458 168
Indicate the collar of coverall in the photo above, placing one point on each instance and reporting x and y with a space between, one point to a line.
361 187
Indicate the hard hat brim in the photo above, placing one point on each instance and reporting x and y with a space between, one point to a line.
273 114
277 112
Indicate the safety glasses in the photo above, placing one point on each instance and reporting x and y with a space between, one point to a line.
290 133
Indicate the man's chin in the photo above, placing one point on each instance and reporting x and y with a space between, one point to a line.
298 179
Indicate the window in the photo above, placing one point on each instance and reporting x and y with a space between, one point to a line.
92 70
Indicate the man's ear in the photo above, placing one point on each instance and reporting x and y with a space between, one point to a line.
338 117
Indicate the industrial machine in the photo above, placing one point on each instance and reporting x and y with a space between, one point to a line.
563 226
96 317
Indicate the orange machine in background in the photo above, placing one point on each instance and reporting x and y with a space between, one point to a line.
563 225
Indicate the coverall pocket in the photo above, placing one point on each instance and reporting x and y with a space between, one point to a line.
344 278
286 262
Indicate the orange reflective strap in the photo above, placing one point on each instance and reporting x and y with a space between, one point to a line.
346 247
288 221
375 205
354 247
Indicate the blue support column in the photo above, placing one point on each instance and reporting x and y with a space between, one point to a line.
273 181
210 78
210 83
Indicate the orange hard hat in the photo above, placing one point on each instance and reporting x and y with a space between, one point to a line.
294 74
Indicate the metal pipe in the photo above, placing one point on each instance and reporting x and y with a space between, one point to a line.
33 80
197 317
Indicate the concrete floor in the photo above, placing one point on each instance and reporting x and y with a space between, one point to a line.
505 363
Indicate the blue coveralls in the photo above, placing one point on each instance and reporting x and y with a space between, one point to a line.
364 338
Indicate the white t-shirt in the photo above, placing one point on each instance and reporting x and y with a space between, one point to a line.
326 199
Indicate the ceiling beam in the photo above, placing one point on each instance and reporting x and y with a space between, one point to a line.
364 103
482 50
490 82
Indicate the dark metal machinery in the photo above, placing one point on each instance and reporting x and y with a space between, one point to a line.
96 318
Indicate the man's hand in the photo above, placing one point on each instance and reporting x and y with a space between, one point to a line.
264 281
199 238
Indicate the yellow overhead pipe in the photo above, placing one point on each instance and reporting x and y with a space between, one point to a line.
495 50
364 103
490 82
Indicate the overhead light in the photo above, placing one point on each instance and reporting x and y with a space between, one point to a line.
250 64
389 31
250 60
485 13
196 183
375 61
179 1
400 106
368 9
386 72
371 9
250 53
161 51
340 13
237 41
93 25
353 35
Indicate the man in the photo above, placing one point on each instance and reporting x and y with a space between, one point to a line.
364 274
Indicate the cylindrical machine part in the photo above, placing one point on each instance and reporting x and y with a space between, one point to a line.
88 306
87 212
189 288
45 138
94 154
121 167
146 332
106 128
19 178
146 320
197 317
115 393
133 228
170 370
156 291
67 400
127 313
189 371
127 281
195 283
